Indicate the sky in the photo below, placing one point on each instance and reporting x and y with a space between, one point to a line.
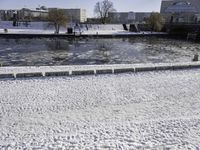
119 5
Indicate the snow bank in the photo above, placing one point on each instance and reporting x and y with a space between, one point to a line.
154 110
90 29
45 25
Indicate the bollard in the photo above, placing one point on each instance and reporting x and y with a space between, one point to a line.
60 73
196 57
5 30
83 72
29 75
143 69
124 70
104 71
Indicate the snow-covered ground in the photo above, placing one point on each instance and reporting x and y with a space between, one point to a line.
154 110
89 32
44 28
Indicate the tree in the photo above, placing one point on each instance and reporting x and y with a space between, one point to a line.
102 9
155 21
58 18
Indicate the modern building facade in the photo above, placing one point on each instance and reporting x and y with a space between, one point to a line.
181 11
74 15
128 17
6 15
1 14
39 14
23 14
121 17
32 14
141 17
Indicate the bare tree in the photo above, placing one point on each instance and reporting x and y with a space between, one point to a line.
102 9
58 18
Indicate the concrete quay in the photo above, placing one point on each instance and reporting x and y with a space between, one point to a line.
53 71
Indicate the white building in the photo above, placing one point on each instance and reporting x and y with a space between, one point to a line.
33 13
75 15
39 13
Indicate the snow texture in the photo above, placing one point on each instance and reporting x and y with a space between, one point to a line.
151 110
90 29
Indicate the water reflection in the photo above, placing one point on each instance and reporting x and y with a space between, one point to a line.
57 45
103 51
17 41
104 45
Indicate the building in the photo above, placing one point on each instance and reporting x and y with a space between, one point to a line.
40 14
6 15
32 14
94 20
181 11
74 15
141 17
23 14
2 14
128 17
121 17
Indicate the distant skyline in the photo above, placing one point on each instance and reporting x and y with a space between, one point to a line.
119 5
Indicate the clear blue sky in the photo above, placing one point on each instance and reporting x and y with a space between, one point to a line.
120 5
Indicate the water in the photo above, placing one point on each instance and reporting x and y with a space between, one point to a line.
29 52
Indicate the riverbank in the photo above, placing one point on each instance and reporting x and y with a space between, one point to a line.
74 70
19 33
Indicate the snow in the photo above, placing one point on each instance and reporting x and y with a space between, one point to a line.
89 32
44 28
151 110
70 68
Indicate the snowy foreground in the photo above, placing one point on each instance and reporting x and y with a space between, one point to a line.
152 110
